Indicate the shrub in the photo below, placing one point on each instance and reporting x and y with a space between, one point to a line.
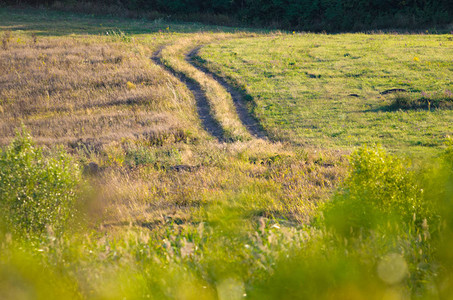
37 191
379 188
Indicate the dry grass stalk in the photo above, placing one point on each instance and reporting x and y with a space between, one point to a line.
70 89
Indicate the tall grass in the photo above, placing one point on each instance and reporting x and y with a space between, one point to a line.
172 214
79 89
385 232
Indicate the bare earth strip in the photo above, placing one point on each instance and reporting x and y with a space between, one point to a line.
203 109
252 125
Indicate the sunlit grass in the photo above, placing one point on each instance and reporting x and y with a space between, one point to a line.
167 212
325 90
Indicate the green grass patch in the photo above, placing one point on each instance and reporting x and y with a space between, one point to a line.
329 90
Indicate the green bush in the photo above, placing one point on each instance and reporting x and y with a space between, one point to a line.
379 188
37 191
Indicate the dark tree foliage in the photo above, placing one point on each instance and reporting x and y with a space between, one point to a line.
331 15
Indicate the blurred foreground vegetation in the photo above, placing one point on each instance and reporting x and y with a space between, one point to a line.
386 233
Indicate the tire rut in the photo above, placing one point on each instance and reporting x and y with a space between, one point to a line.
203 109
250 123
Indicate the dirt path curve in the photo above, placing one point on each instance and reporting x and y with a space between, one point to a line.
208 122
250 123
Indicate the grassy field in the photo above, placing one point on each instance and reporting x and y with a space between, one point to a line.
90 78
328 91
115 184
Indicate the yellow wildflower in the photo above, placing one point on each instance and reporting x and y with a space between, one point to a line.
130 85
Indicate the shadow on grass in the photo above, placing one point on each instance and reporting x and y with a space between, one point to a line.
45 22
407 103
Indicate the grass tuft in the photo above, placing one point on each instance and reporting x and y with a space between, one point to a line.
426 101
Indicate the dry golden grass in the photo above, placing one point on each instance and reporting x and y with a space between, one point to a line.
70 89
105 97
256 178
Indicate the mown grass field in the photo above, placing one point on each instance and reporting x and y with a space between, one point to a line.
326 90
115 184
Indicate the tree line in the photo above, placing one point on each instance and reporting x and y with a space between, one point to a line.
317 15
